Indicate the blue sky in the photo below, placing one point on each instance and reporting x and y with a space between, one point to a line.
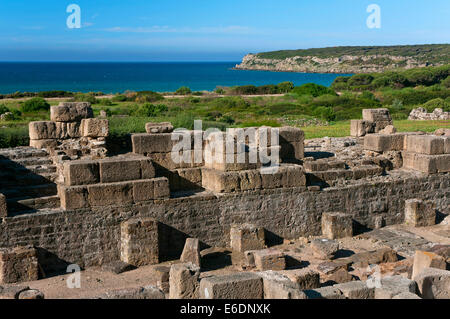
208 30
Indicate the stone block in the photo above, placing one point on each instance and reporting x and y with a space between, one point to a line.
162 277
324 248
356 290
152 143
359 128
279 286
427 259
139 293
3 206
433 283
382 255
42 130
66 130
394 285
117 267
73 197
269 259
12 292
162 127
184 281
376 115
185 179
110 194
292 151
191 252
243 285
82 172
95 127
161 188
143 190
430 164
118 169
384 143
419 213
32 294
220 182
425 144
389 129
40 144
328 292
71 112
406 295
18 264
303 278
250 180
247 237
291 134
380 126
139 241
337 225
330 267
339 277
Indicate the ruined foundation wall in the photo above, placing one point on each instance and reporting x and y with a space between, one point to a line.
92 237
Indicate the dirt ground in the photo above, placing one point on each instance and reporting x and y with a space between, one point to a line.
95 281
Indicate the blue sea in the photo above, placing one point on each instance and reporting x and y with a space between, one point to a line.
119 77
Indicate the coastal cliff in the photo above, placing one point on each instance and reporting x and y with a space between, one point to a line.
348 59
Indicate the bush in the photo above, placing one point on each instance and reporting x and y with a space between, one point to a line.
105 102
148 96
267 89
119 98
49 94
313 89
3 109
35 104
184 90
150 110
325 113
285 87
431 105
446 82
84 97
245 90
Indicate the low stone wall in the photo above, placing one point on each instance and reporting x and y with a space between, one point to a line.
92 236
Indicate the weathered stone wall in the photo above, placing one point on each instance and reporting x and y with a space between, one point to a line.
92 236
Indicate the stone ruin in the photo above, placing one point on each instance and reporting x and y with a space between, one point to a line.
421 114
330 222
374 121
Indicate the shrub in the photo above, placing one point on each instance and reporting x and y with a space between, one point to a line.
360 79
184 90
431 105
325 113
85 97
285 87
267 89
150 110
49 94
119 98
147 96
3 109
313 89
105 102
245 90
446 82
35 104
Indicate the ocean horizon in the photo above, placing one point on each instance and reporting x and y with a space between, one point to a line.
117 77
